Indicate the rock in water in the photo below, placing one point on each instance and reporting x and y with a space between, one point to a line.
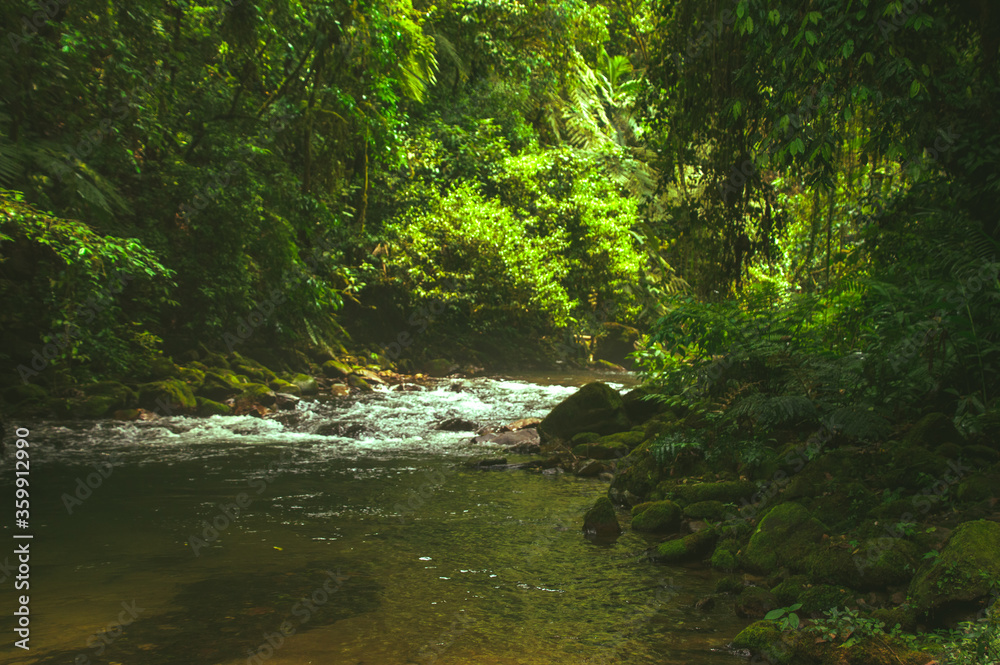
524 441
601 521
457 425
596 407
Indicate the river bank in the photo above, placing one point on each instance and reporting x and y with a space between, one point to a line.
843 551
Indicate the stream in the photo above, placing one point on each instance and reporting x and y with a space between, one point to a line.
350 532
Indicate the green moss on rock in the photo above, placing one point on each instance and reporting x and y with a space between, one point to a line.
788 591
822 597
707 510
723 559
786 536
964 572
602 519
596 407
630 439
585 437
601 450
167 397
976 488
257 393
207 407
658 517
306 384
638 473
20 393
282 386
763 638
732 491
191 376
335 369
689 548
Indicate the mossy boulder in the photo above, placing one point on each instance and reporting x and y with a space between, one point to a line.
822 597
585 437
601 451
884 562
220 384
843 505
713 511
167 397
931 431
257 373
601 520
216 360
306 384
335 369
20 393
95 406
358 383
658 517
161 367
723 559
630 439
639 405
664 423
257 393
786 536
962 575
121 396
977 488
282 386
637 475
911 466
596 407
192 376
689 548
731 491
903 614
787 592
754 602
207 407
763 638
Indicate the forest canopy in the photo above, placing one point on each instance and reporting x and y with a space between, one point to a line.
823 174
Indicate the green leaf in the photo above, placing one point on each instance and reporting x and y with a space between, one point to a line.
914 88
741 9
848 48
774 615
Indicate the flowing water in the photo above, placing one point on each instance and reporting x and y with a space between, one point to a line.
352 533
